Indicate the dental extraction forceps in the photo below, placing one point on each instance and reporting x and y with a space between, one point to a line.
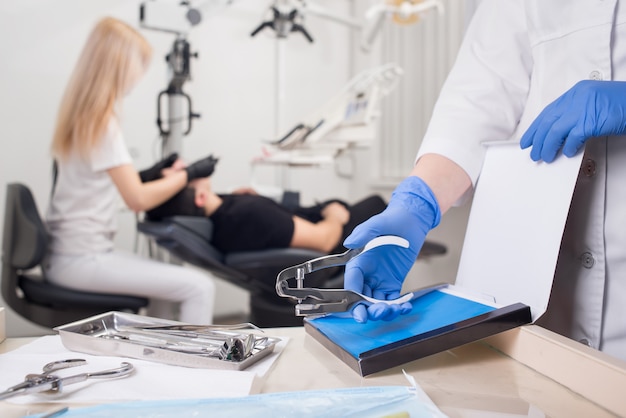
319 301
46 381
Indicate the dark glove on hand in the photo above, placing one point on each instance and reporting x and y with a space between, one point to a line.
201 168
154 172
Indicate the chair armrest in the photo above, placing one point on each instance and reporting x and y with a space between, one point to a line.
59 297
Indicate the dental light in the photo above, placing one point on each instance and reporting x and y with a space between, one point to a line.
402 12
287 16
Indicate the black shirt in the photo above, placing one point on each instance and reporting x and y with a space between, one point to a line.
250 223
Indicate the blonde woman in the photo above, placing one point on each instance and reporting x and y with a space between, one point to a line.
95 169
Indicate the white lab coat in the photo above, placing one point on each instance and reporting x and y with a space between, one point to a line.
517 57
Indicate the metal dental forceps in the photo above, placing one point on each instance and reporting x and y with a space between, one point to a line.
46 381
319 301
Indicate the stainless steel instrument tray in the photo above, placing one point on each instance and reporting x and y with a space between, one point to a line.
129 335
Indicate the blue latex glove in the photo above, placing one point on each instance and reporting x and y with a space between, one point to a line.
379 273
589 109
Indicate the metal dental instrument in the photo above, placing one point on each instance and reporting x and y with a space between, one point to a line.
319 301
231 348
217 341
200 328
48 382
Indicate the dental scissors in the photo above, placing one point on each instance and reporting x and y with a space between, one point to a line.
312 300
48 382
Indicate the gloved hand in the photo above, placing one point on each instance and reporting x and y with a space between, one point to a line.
379 273
154 172
589 109
201 168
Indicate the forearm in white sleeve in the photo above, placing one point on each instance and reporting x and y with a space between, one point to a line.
485 92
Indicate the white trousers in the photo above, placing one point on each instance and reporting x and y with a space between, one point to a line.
126 273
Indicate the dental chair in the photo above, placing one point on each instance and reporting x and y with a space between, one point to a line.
189 239
28 293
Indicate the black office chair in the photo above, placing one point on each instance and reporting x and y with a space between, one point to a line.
30 295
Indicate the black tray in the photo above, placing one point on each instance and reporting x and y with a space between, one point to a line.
440 320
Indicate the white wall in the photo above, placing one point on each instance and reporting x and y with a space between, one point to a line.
233 87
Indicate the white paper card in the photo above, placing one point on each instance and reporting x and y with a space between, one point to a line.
515 226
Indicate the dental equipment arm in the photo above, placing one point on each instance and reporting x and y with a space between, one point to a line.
177 18
344 121
317 10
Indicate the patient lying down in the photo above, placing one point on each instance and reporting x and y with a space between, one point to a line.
249 222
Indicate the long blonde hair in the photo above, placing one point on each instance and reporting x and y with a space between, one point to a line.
106 69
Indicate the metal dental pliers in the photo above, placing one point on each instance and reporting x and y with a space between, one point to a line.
319 301
46 381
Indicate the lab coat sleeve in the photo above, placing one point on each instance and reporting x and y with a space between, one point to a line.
484 95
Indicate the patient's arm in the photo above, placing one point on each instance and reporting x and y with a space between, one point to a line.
324 235
245 190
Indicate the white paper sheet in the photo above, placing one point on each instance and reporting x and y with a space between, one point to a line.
515 226
151 381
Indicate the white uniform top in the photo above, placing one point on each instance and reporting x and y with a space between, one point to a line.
517 57
81 218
